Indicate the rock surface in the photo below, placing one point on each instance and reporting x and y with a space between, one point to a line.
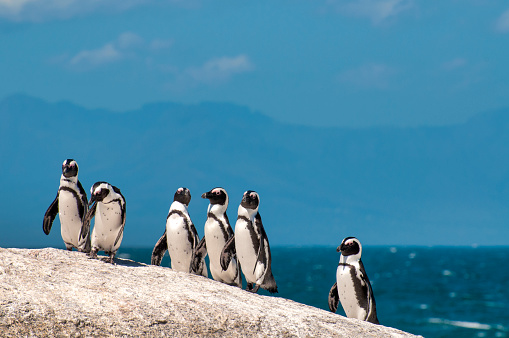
51 292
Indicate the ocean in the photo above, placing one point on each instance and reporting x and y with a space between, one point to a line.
430 291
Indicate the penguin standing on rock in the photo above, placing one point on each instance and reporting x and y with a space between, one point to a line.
71 206
352 285
217 232
180 237
252 246
108 206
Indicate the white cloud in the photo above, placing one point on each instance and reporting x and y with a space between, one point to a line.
378 11
372 75
92 58
214 72
13 7
221 69
128 45
502 24
110 52
43 10
129 40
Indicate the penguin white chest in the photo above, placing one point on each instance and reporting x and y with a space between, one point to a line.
180 242
70 221
246 244
215 239
348 287
108 221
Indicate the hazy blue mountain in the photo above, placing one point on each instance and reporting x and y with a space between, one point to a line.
429 185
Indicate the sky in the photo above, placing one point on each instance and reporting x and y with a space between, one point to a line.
349 63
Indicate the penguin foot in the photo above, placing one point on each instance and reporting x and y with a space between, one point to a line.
84 251
111 258
93 254
108 260
250 288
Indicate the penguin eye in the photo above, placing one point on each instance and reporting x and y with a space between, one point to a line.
218 192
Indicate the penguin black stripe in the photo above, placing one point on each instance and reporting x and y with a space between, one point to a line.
360 290
77 198
122 210
243 218
252 232
190 234
226 235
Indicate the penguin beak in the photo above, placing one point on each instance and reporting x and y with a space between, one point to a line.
93 199
97 197
69 170
206 195
339 248
66 171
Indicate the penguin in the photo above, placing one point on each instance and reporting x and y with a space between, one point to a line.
180 237
217 232
252 246
108 206
71 205
352 285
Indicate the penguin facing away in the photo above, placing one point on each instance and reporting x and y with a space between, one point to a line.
251 245
352 287
109 209
217 232
71 205
180 237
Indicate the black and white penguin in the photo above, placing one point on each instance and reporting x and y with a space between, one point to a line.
108 206
252 246
352 285
71 206
217 232
180 237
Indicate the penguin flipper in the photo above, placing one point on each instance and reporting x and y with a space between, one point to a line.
227 253
371 310
159 250
85 225
85 232
122 208
120 232
84 203
195 235
262 269
195 241
333 298
199 253
263 249
50 215
91 212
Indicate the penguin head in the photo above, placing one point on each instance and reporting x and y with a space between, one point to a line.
99 192
250 200
70 168
216 196
182 195
351 248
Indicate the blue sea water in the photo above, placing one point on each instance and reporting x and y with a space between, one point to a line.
430 291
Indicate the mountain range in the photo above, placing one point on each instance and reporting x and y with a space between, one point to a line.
446 185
